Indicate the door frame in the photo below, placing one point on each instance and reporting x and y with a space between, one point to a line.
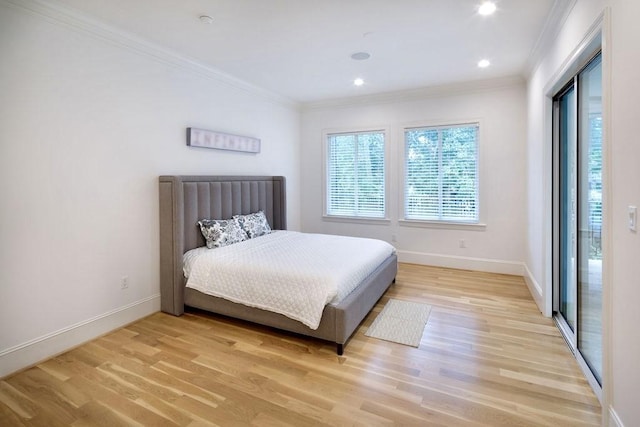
570 336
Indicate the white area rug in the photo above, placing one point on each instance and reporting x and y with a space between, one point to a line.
400 321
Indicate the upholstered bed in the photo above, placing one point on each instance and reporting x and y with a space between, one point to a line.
184 200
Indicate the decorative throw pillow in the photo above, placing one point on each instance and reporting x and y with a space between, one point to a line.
221 232
254 224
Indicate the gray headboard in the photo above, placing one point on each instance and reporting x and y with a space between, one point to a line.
186 199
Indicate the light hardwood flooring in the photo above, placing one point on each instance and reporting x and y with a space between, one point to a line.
487 357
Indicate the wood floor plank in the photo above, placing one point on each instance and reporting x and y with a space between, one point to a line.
487 358
16 402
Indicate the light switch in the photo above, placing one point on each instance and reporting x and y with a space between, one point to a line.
632 218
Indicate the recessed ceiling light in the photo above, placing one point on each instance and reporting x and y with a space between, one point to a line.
487 8
484 63
206 19
358 82
360 56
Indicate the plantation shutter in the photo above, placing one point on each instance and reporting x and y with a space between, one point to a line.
441 173
356 175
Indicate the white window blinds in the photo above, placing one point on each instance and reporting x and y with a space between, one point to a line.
356 175
441 173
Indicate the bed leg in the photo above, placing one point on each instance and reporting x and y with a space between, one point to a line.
340 349
394 280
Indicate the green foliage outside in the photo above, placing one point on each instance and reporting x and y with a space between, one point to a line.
356 175
441 173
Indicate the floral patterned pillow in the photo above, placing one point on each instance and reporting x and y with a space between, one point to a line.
221 232
254 224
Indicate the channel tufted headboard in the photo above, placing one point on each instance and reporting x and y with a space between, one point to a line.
186 199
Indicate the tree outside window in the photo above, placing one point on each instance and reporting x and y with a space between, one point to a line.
356 174
441 173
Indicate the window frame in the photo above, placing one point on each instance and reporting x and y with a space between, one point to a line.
325 175
478 224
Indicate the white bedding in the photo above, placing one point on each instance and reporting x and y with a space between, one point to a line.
291 273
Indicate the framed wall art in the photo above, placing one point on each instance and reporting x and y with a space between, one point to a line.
222 141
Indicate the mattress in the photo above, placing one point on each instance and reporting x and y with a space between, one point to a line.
294 274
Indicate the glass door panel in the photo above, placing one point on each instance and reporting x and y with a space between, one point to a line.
567 134
590 217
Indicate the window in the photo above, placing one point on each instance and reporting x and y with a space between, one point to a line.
441 173
356 174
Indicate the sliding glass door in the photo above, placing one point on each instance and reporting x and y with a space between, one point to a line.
578 215
567 191
590 217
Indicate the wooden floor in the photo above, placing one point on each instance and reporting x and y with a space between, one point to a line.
487 357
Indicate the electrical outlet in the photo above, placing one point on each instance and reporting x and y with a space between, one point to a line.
462 243
124 283
394 238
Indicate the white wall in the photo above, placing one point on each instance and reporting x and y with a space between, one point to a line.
87 124
501 111
625 186
559 56
622 247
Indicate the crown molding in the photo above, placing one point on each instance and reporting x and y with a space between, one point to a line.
474 86
556 19
74 20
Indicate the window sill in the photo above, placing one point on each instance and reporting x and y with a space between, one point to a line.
356 220
443 225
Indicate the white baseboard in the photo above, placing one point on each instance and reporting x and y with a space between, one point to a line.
463 263
27 354
535 289
614 419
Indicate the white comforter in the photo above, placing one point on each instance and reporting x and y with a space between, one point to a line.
291 273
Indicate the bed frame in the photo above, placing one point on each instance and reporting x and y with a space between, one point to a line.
186 199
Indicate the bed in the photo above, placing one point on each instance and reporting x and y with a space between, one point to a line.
184 200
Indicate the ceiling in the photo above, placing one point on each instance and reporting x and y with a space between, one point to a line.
301 49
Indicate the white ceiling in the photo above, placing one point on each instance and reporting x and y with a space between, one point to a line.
301 49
